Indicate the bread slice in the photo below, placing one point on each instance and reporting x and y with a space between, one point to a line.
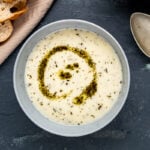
11 11
6 30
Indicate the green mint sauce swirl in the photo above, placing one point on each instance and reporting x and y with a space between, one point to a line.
87 92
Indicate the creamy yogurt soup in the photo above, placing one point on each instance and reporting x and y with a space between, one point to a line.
73 76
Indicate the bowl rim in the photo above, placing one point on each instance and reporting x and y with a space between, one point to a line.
68 134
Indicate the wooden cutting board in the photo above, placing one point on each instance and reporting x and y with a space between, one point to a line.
24 25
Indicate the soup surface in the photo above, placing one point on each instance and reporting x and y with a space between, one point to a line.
73 76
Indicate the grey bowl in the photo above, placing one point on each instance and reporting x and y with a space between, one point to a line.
26 105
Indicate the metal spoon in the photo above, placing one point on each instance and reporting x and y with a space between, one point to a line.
140 28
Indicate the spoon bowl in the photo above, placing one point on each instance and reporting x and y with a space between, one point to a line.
140 28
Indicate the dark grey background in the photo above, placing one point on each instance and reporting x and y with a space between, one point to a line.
131 128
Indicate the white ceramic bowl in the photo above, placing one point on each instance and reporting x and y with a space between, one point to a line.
25 103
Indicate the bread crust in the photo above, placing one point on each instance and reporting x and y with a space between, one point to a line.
8 1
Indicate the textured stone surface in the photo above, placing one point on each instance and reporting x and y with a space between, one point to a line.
131 128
